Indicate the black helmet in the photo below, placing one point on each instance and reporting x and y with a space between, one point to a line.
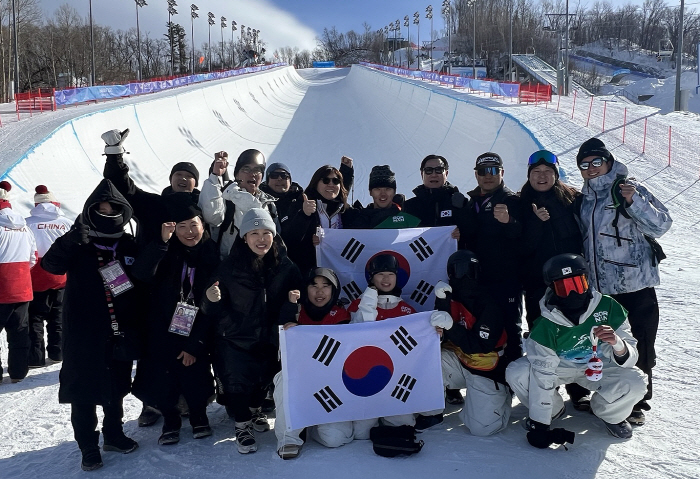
249 157
564 266
463 263
382 263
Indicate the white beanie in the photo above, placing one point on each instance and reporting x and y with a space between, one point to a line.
257 218
5 188
43 195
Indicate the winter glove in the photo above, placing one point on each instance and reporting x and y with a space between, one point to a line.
113 141
441 319
441 289
542 437
78 233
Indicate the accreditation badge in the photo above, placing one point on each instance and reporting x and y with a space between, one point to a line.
115 278
183 319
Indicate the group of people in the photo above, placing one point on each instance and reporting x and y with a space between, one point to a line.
196 290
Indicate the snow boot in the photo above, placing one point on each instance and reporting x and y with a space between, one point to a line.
426 422
453 396
289 451
637 417
118 442
198 432
149 416
169 437
92 459
245 437
622 430
259 420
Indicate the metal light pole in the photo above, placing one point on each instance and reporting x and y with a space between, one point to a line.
566 52
679 61
474 45
510 49
408 38
211 21
171 11
446 12
193 15
386 35
139 4
397 30
223 25
14 46
416 21
233 47
92 49
429 15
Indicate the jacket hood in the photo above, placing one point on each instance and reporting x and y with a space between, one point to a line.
106 191
446 189
11 219
557 317
605 182
46 210
168 190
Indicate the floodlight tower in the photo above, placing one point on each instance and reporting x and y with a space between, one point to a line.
139 4
429 16
171 11
210 19
416 21
193 15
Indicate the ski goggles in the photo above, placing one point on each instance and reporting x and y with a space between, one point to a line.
577 284
429 170
596 162
543 156
489 170
279 175
253 170
335 180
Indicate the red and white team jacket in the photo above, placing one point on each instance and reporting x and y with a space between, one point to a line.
372 306
48 223
17 257
337 315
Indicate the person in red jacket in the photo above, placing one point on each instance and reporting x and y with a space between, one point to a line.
17 257
318 305
48 223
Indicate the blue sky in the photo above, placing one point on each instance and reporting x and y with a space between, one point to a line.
281 22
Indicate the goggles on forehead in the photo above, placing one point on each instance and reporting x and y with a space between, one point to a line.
543 156
597 162
577 284
489 170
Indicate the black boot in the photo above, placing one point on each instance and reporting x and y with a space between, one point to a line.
149 416
92 459
117 441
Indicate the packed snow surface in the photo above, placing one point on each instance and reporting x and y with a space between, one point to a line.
309 118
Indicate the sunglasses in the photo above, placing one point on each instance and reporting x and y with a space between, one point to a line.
597 162
256 170
429 170
489 170
543 156
335 180
277 175
578 284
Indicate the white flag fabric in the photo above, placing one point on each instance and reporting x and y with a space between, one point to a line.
359 371
422 255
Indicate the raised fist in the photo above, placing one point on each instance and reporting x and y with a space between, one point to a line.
113 141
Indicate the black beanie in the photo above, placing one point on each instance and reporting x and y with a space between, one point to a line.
249 157
188 167
180 207
382 177
593 147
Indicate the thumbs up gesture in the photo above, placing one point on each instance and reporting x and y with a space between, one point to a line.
309 206
541 213
214 293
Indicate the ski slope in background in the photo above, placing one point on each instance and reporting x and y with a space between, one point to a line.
305 119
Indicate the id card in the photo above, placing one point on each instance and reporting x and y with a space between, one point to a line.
183 319
115 278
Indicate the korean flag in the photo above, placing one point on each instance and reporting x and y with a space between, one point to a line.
360 371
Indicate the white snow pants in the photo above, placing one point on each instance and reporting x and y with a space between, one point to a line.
613 396
330 435
487 404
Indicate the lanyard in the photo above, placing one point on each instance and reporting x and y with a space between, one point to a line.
113 248
486 200
187 272
108 293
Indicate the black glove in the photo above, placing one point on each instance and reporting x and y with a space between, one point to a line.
78 234
542 437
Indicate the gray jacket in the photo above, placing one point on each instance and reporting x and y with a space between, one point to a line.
624 265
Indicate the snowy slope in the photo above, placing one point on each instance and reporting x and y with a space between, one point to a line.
307 118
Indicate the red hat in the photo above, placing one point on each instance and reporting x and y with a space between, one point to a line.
5 188
43 195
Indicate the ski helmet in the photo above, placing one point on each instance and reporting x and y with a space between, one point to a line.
463 263
250 157
564 266
381 263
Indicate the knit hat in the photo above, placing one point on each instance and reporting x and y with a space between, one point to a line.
275 167
256 218
188 167
5 188
43 195
249 157
546 158
593 147
180 207
382 177
487 159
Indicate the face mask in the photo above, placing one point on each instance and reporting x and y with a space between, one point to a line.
105 224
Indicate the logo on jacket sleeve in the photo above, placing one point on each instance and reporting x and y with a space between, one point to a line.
446 214
129 260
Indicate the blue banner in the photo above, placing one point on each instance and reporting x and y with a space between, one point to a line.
324 64
106 92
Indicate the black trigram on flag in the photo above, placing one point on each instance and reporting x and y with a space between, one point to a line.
421 248
403 340
329 400
326 350
404 387
352 250
352 290
422 292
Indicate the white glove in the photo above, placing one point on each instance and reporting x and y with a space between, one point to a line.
113 141
441 319
441 289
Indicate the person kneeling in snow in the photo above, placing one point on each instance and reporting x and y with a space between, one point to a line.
473 348
582 337
318 304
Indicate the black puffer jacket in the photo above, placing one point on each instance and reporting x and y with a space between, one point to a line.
437 206
89 345
285 202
